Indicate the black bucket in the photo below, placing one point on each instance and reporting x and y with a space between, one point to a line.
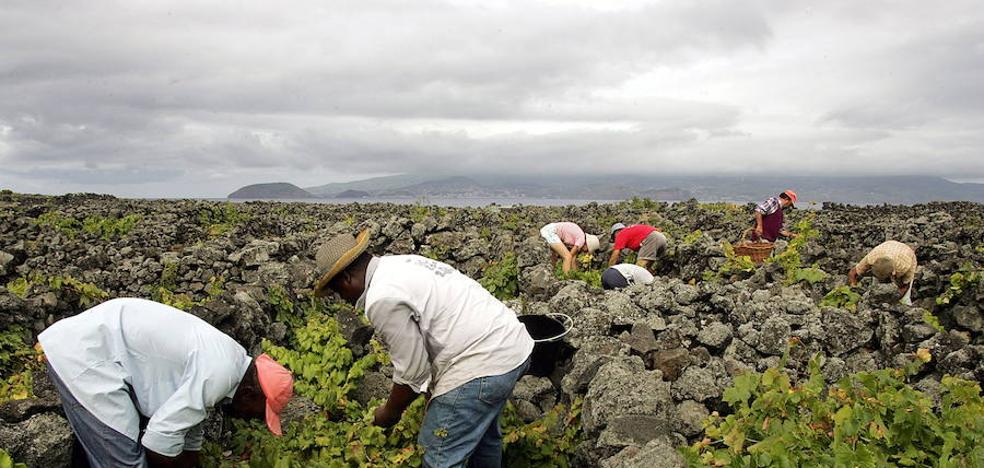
547 332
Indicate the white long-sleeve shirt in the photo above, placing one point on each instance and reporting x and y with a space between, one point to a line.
176 364
443 329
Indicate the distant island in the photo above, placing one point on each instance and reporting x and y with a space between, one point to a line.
731 188
276 190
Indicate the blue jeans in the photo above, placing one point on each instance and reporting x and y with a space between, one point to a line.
461 427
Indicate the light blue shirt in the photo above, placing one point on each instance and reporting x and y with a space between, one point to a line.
176 364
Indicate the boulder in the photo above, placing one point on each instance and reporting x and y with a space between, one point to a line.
670 362
43 440
256 253
660 452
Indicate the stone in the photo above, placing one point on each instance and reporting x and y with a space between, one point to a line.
969 317
690 418
591 356
916 332
685 294
15 411
372 386
670 362
624 388
297 409
42 440
773 337
539 281
256 253
6 263
633 429
642 340
844 330
537 390
702 383
715 335
882 293
660 452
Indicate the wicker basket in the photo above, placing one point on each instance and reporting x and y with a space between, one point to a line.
757 251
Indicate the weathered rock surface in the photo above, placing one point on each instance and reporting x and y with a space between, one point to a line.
650 361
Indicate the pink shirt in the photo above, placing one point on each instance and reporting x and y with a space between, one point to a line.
570 233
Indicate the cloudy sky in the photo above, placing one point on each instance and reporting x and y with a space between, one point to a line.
197 98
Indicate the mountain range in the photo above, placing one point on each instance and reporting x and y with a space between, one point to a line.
859 190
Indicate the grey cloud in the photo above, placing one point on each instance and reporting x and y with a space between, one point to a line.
203 98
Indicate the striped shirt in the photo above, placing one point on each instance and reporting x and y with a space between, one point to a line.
769 206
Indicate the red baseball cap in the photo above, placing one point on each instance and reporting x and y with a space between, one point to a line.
278 386
792 196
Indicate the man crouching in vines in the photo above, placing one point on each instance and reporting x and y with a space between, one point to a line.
136 377
446 335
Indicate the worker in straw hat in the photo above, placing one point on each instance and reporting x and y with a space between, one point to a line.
566 240
889 261
769 217
136 377
447 336
648 241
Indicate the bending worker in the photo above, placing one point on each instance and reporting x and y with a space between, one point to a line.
647 240
890 261
769 217
447 336
126 360
624 275
566 240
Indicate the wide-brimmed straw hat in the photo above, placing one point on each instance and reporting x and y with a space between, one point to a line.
336 255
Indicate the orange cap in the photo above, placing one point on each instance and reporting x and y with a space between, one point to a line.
278 386
792 195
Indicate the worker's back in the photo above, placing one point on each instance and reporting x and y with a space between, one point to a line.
154 348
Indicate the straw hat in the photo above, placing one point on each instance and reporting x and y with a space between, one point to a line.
336 255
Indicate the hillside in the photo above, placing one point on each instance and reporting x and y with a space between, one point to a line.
281 190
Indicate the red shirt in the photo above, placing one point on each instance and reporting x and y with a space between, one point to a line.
632 236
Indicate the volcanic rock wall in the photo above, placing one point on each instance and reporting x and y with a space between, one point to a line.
650 362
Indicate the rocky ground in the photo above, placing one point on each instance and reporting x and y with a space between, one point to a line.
650 362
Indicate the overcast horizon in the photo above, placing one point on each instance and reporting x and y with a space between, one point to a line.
196 99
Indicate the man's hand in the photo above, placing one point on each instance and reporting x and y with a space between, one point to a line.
186 459
401 396
852 277
759 231
383 418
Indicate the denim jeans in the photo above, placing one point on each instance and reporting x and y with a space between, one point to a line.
461 427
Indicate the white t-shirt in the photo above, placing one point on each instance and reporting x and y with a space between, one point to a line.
177 365
443 329
634 274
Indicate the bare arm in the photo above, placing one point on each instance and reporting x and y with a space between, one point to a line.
574 252
401 396
613 260
758 224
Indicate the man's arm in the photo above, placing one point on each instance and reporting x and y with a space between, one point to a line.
401 396
759 229
613 260
393 320
573 263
